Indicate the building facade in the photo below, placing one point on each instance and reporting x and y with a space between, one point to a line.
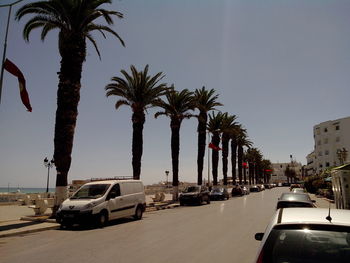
278 175
332 143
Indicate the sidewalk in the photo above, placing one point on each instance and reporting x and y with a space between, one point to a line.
17 219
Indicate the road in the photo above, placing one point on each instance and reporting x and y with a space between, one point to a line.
220 232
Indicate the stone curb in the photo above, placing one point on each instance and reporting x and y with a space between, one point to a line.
17 232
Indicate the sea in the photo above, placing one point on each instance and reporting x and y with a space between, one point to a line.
25 190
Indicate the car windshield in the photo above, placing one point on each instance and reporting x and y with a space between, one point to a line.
91 191
191 189
307 245
217 190
295 197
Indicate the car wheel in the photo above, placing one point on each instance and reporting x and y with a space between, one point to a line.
208 200
138 213
200 200
102 219
182 203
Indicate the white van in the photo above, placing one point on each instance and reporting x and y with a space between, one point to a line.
101 201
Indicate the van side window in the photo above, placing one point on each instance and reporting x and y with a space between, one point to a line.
115 189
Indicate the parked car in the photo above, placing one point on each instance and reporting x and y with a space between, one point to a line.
267 186
306 235
219 193
194 195
237 191
100 201
245 189
295 200
254 188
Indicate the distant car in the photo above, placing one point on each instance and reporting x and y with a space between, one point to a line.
237 191
306 235
262 187
295 200
219 193
267 186
254 188
298 190
245 189
194 195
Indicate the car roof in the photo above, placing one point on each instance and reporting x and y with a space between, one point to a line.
111 181
312 216
291 196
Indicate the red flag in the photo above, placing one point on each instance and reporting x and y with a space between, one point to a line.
214 147
12 68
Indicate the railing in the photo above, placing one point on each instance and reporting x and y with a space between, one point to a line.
112 178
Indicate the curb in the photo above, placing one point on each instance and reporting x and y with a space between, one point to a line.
27 231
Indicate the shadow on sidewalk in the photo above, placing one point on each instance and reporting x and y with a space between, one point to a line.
15 226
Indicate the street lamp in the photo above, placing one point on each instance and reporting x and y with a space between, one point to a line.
48 164
167 174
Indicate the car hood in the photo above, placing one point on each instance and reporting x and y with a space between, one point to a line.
190 194
77 204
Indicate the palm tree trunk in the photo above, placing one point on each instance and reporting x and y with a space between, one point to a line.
240 163
225 142
175 150
138 120
201 129
233 159
215 158
73 53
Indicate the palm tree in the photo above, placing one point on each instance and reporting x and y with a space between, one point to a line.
266 166
75 21
254 158
205 101
177 108
242 141
214 127
139 91
229 127
233 136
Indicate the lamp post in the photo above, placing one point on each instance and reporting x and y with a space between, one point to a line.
167 174
48 164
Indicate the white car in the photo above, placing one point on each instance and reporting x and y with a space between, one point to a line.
306 235
100 201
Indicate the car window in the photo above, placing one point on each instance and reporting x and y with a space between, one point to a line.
91 191
286 204
295 196
305 245
191 189
115 189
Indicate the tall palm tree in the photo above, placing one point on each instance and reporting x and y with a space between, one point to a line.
266 167
214 127
177 108
254 157
233 136
205 101
75 21
242 141
229 127
139 91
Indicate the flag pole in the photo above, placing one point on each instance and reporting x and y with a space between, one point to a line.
5 43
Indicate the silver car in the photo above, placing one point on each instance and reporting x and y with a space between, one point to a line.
311 235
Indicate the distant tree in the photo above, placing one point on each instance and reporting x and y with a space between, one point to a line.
177 108
75 20
242 141
140 92
205 101
229 127
214 127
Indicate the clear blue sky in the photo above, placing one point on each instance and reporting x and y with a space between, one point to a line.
280 66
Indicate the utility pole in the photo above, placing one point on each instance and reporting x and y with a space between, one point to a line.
5 42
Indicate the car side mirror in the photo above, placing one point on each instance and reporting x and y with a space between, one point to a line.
259 236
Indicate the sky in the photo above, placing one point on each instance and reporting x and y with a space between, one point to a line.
280 66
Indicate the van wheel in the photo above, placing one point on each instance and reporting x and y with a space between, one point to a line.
102 219
138 213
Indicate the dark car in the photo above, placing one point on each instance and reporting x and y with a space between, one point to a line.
194 195
295 200
237 191
254 188
219 193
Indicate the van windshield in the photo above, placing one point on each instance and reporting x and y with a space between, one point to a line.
91 191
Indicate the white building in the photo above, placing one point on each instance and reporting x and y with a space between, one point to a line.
278 174
331 137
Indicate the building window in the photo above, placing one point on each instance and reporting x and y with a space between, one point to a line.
327 164
319 142
326 152
325 130
319 153
321 165
337 128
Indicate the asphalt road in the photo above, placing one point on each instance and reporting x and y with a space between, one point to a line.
220 232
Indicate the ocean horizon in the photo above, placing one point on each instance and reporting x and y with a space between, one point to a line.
26 190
